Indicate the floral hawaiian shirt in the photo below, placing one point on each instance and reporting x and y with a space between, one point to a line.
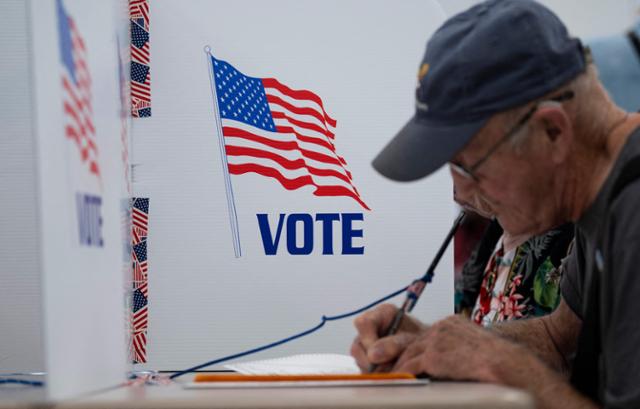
524 282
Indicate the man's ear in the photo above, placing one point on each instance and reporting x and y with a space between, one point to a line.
556 127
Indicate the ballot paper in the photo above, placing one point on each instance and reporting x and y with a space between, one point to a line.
300 371
305 364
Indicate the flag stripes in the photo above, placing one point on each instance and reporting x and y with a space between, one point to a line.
140 347
141 91
301 95
76 92
279 132
140 220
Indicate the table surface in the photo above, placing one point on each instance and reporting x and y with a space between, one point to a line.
433 395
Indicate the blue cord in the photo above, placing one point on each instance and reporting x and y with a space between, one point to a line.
291 338
15 381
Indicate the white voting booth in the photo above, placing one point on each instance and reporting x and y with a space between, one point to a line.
248 256
264 213
62 185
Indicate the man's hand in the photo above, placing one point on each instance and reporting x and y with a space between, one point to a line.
454 348
458 349
369 348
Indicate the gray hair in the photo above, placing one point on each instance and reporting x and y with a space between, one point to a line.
585 109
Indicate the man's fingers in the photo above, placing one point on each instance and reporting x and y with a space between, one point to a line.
383 368
414 350
372 323
413 365
360 355
388 349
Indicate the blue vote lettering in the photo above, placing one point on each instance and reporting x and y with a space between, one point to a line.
303 244
348 233
89 212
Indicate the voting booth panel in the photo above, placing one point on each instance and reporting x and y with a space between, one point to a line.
21 343
264 211
63 227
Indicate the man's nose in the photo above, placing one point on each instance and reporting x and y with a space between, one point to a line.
462 188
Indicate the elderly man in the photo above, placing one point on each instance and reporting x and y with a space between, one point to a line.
515 107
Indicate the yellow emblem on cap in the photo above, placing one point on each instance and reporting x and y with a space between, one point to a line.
424 68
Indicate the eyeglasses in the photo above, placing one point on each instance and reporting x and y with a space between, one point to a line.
470 172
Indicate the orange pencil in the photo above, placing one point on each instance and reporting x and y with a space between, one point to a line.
224 377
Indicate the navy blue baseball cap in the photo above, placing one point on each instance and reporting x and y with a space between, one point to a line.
497 55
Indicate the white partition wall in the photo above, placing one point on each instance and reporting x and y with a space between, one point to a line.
21 342
62 175
244 247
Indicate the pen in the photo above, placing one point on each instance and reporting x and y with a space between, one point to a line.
417 287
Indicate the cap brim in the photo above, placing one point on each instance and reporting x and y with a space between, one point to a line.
422 147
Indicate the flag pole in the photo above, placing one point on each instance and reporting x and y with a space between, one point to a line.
231 205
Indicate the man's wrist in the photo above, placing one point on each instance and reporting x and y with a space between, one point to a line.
516 366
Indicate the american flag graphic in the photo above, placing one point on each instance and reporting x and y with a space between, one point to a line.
140 256
140 75
140 313
281 133
76 91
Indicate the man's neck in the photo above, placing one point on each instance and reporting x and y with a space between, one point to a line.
595 169
509 242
